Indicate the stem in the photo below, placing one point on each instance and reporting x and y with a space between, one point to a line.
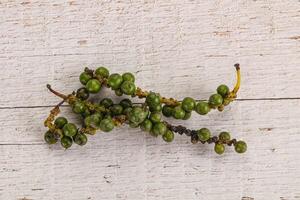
56 93
233 93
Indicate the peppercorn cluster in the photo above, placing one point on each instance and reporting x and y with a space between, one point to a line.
150 116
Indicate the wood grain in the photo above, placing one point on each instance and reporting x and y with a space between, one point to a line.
178 48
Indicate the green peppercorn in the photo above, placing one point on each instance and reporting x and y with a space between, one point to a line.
79 107
86 113
60 122
154 108
116 109
224 136
80 139
128 77
223 90
188 104
146 125
178 113
202 108
240 147
70 130
58 133
153 99
102 72
107 125
126 103
50 138
93 86
128 88
203 134
115 81
167 111
82 93
84 78
118 92
126 111
187 115
168 136
106 102
215 100
93 120
155 117
159 129
66 142
137 115
219 148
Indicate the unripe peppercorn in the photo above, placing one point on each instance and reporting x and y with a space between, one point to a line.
60 122
128 77
106 102
118 92
128 88
82 93
93 86
66 142
203 134
224 136
178 113
126 111
84 78
152 99
116 109
137 115
187 115
126 103
159 129
70 130
107 125
93 120
115 81
50 138
146 125
215 100
219 148
240 147
167 111
188 104
154 108
202 108
155 117
79 107
102 72
80 139
223 90
168 136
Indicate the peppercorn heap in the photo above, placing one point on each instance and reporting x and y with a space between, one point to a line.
105 115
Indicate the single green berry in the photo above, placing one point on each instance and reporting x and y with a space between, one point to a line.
159 129
137 115
126 111
115 81
155 117
146 125
188 104
82 93
93 120
167 111
60 122
93 86
223 90
50 138
80 139
203 134
187 115
106 102
219 148
240 147
168 136
216 100
202 108
102 72
116 109
178 113
126 103
128 77
153 99
154 108
118 92
70 130
79 107
107 125
66 142
128 88
224 136
84 78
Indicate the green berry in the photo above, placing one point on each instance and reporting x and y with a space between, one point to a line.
93 86
128 77
224 136
60 122
80 139
50 138
240 147
146 125
115 81
70 130
128 88
188 104
154 108
137 115
202 108
84 78
126 103
155 117
82 93
167 111
203 134
223 90
58 133
116 109
187 115
102 72
178 113
216 100
126 111
168 136
66 142
118 92
106 102
159 129
79 107
153 99
219 148
93 120
86 113
107 125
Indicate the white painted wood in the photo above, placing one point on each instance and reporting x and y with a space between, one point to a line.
177 48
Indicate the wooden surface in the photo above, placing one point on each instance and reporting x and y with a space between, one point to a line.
178 48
